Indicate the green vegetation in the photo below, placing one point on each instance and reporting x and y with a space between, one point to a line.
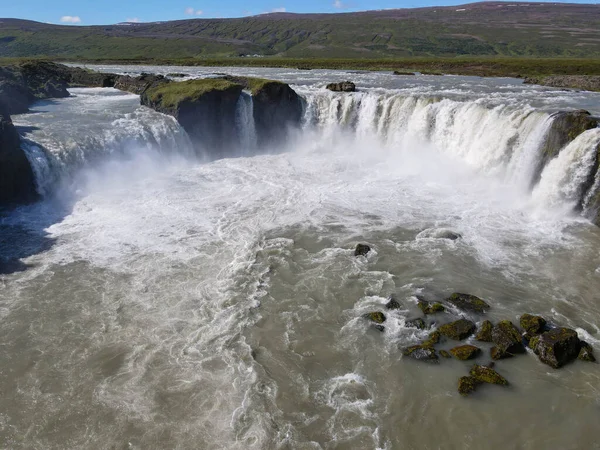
172 94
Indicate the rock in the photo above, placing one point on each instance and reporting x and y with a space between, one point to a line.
445 354
433 338
403 72
532 342
177 75
421 352
532 324
467 385
558 347
468 303
497 354
362 250
465 352
584 82
485 332
345 86
379 328
17 182
586 353
416 323
439 233
458 330
139 85
377 317
392 303
429 308
507 339
486 374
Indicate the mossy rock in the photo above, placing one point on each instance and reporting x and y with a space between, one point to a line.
421 352
467 385
469 303
465 352
488 375
558 347
392 303
586 353
428 307
533 342
458 330
445 354
362 250
497 353
532 324
172 95
434 338
507 338
376 316
416 323
485 332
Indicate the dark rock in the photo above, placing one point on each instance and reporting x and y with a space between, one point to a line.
17 183
421 352
497 354
445 354
586 353
429 308
139 85
177 75
416 323
377 317
532 324
486 374
485 332
379 328
507 339
458 330
392 304
362 250
433 338
558 347
467 385
403 72
344 86
467 302
465 352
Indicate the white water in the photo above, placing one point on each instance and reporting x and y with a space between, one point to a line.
218 305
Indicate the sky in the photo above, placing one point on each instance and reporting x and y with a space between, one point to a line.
94 12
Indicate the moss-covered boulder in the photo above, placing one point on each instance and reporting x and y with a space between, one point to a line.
488 375
421 352
465 352
467 385
586 353
362 250
507 338
445 354
376 316
469 303
558 347
532 324
458 330
416 323
429 307
433 338
497 353
484 334
392 303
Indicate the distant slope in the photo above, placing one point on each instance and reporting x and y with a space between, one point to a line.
489 28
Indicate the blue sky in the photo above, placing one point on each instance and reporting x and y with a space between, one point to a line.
94 12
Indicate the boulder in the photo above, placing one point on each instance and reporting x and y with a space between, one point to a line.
403 72
433 338
484 374
458 330
362 250
465 352
586 353
416 323
379 328
392 303
445 354
428 307
139 85
532 324
421 352
376 316
557 347
344 86
485 331
507 338
467 302
467 385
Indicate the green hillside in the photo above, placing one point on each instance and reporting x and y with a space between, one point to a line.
479 29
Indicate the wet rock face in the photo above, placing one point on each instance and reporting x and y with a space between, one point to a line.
458 330
138 85
532 324
485 332
344 86
421 352
469 303
485 374
416 323
508 340
586 353
362 250
392 304
557 347
465 352
429 308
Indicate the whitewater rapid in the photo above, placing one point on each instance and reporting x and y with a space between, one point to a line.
168 301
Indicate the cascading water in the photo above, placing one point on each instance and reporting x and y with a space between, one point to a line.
245 126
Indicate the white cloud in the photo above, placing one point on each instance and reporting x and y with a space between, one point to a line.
193 12
133 20
338 4
70 19
276 10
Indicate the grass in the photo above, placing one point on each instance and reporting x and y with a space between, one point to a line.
172 94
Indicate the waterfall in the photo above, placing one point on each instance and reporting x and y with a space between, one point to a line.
246 128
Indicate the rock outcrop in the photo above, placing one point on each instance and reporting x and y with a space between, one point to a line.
507 339
344 86
469 303
584 82
557 347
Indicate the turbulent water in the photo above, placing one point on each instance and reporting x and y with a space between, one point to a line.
155 299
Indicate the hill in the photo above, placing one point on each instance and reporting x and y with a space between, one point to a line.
478 29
